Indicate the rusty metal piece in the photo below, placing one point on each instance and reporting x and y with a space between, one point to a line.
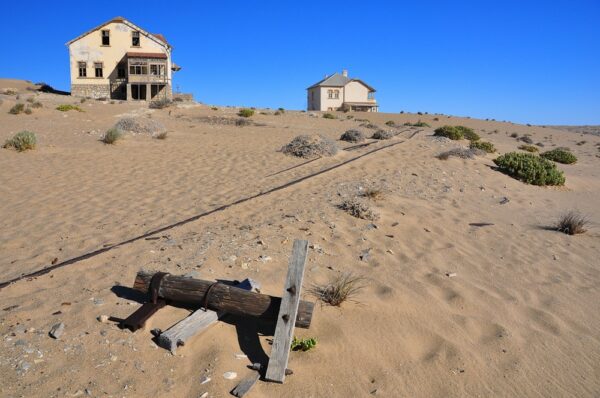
138 319
292 290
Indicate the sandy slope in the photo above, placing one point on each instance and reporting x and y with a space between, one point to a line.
520 317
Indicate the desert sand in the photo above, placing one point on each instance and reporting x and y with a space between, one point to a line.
517 318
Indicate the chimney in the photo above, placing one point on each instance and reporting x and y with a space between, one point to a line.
345 72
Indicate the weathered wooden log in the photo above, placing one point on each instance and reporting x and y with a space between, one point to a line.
221 297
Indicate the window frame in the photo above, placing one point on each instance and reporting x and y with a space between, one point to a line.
103 36
100 68
135 34
82 68
336 94
330 94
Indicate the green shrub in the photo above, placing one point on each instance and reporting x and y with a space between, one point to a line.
68 107
528 148
390 123
530 169
468 133
246 112
449 132
303 344
417 124
560 155
112 136
329 116
483 145
22 141
18 108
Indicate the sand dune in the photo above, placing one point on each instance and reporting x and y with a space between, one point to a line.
519 318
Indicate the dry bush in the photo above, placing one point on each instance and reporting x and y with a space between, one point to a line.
112 136
373 193
368 125
307 146
353 136
463 153
246 112
161 136
572 223
241 122
160 103
17 108
358 209
22 141
382 135
140 125
341 288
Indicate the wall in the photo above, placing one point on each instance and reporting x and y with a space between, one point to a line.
356 92
89 49
313 102
326 102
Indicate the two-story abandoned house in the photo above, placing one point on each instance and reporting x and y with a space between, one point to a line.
339 92
120 60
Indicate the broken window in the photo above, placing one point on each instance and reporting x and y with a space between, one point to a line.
157 69
121 72
98 68
106 37
135 38
138 68
82 69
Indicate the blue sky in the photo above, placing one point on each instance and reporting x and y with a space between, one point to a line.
523 61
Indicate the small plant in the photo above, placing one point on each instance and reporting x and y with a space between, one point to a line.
514 135
36 104
303 344
160 103
214 108
560 155
81 101
28 111
572 223
308 146
329 116
373 193
282 110
436 119
245 112
483 145
358 209
161 136
417 124
241 122
112 136
529 148
17 108
526 139
22 141
390 123
462 153
341 288
449 132
68 107
382 135
9 91
530 169
353 136
468 133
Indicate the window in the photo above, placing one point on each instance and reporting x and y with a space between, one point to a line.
82 69
138 68
330 94
371 95
106 37
157 70
336 94
121 72
98 68
135 38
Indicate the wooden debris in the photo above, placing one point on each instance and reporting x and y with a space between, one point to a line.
288 310
246 384
178 334
221 297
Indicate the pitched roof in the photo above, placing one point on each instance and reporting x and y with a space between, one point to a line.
156 37
338 80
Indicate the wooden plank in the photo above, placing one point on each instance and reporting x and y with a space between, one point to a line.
178 334
284 330
245 385
222 297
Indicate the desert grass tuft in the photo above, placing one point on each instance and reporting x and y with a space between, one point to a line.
161 136
68 107
22 141
17 108
373 193
352 136
246 112
112 136
572 223
329 116
341 288
358 209
528 148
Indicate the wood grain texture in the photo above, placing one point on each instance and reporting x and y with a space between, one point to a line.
245 385
222 297
178 334
284 330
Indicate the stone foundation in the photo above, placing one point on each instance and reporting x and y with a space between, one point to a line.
91 90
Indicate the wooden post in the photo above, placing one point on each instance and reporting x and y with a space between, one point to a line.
221 297
199 320
284 330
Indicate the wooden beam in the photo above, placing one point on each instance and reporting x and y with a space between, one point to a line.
246 384
221 297
284 330
178 334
